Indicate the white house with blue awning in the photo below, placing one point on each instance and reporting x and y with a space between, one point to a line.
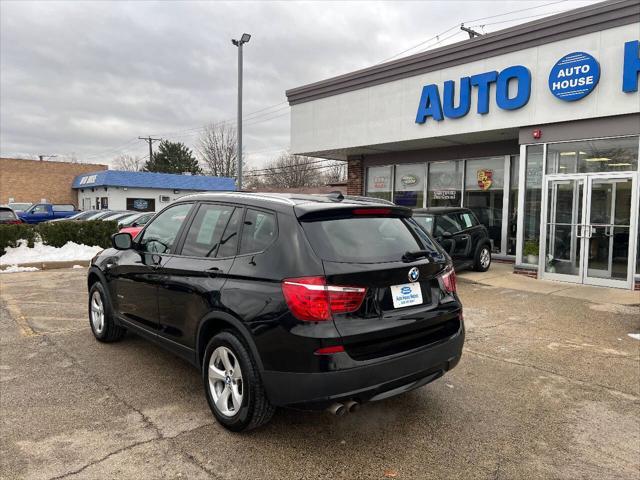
141 191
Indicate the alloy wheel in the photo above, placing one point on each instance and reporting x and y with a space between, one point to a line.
485 258
225 381
97 312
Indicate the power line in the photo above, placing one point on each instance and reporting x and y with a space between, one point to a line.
516 11
436 37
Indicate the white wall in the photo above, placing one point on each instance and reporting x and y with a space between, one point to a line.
386 113
118 196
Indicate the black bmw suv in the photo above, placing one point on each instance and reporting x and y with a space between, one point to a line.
305 301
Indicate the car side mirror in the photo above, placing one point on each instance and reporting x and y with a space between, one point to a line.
447 234
122 241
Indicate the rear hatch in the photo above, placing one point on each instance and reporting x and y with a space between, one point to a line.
405 305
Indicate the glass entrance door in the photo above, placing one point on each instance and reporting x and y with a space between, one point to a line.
589 227
608 254
562 255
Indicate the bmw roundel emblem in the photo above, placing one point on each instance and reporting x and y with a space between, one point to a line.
414 274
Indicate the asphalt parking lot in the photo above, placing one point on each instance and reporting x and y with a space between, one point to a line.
548 387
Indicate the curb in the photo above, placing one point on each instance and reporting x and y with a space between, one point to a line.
50 265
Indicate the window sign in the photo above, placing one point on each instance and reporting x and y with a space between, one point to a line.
141 204
379 182
409 185
484 193
445 184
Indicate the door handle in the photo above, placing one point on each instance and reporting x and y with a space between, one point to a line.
213 271
581 230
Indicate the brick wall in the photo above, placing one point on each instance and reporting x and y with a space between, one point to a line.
355 177
33 180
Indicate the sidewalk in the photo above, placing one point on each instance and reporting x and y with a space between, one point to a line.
501 275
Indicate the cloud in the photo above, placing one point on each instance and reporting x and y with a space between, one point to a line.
87 78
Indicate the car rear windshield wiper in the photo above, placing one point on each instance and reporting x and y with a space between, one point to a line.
415 255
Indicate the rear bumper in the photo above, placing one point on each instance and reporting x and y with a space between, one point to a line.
371 382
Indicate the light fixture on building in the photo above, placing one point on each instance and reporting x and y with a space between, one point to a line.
537 134
597 159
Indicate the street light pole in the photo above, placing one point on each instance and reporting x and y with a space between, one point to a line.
238 43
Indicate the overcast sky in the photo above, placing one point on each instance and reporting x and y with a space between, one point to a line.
85 79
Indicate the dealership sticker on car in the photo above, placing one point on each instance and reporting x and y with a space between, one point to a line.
406 295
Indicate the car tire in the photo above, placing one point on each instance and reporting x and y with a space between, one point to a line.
482 260
101 319
237 398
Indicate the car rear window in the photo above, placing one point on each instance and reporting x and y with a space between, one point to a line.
7 215
363 239
425 221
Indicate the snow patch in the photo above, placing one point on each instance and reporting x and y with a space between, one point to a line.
17 269
77 266
45 253
635 336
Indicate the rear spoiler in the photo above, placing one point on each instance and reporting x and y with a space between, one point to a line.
309 212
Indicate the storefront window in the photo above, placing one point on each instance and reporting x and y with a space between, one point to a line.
589 156
409 188
379 182
445 184
512 226
532 204
484 192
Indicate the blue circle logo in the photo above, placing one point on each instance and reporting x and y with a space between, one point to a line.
574 76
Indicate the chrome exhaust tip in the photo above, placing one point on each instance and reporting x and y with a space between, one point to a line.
352 406
337 409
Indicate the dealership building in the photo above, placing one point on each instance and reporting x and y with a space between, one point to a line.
535 128
141 191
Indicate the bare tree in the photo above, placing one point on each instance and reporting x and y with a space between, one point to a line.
335 173
218 149
128 163
293 171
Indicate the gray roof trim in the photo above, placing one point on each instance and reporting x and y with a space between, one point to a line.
592 18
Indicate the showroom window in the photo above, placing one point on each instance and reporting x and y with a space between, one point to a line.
512 226
445 184
532 203
591 156
409 185
379 182
484 195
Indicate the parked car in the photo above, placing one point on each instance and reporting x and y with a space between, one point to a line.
84 215
41 212
280 300
8 216
460 233
134 224
115 216
19 206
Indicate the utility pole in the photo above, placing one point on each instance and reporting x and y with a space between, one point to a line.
238 43
472 33
150 141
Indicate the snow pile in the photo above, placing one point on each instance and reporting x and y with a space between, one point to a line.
45 253
17 269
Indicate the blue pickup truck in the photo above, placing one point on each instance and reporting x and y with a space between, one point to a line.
41 212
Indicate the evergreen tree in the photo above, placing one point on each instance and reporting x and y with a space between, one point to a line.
173 157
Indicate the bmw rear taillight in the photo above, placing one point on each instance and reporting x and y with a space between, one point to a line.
310 298
449 281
